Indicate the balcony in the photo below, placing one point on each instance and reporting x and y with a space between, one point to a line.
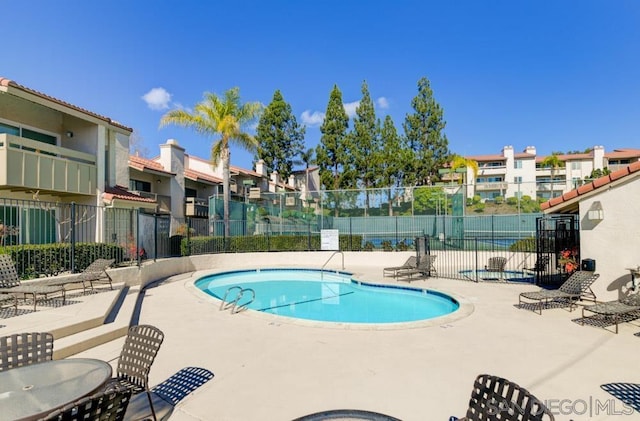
500 186
196 207
27 164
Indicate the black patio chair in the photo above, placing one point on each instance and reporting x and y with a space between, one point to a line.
109 404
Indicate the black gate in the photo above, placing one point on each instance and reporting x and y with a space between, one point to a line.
557 248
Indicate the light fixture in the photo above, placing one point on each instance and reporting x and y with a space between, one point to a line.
595 212
69 133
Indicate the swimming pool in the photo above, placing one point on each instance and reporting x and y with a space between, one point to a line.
507 275
328 296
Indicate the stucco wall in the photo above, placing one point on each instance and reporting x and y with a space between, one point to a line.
613 242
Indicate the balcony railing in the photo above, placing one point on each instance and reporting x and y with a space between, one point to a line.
491 186
27 164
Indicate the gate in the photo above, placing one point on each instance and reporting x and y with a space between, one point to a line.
557 248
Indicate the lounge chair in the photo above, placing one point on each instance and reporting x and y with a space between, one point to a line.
496 264
424 267
623 309
495 398
409 264
96 272
8 300
10 283
575 288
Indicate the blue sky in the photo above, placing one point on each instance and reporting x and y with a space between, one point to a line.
558 75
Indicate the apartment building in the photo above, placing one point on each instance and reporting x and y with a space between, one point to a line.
515 174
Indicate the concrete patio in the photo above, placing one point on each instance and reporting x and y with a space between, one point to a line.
270 368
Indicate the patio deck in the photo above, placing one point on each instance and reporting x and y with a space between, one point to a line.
268 368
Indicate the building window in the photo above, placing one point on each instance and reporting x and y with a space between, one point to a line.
190 192
576 165
137 185
517 180
28 133
517 164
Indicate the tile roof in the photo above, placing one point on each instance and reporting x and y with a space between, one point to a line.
142 164
199 176
119 192
623 153
10 83
591 187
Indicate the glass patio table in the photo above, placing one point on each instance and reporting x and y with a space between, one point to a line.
33 391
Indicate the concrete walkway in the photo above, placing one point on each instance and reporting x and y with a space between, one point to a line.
268 368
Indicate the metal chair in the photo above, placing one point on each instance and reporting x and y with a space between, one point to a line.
108 405
138 353
25 348
495 398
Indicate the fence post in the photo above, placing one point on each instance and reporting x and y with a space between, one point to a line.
155 237
475 241
73 237
309 235
350 233
137 240
396 231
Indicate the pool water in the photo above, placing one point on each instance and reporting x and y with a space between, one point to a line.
507 275
329 296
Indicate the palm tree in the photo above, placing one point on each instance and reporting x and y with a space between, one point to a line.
555 163
225 116
458 161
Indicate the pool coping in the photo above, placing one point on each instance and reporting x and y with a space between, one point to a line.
465 309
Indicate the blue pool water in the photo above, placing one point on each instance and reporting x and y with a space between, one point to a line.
507 275
332 297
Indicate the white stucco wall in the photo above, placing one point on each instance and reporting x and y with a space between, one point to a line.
613 242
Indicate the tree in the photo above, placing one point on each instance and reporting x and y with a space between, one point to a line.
280 137
225 116
423 131
333 161
393 158
364 146
136 145
555 163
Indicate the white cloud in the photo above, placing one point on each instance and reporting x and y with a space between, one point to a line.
157 99
350 108
382 102
312 118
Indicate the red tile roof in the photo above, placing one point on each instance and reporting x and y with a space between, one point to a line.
142 164
623 153
199 176
119 192
10 83
593 186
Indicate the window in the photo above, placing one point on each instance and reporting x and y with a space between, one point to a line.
517 180
517 163
576 165
190 192
137 185
6 128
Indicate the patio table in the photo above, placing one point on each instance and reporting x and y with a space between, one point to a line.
33 391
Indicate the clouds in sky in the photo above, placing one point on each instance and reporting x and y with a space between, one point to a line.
311 119
157 99
315 118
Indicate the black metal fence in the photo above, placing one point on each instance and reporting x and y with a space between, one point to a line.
51 238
